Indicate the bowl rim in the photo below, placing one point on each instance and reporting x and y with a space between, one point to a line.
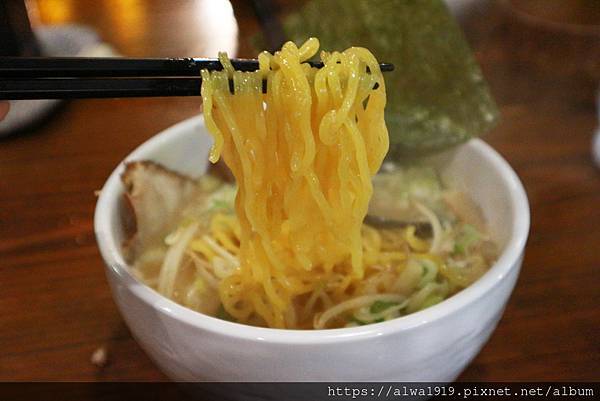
113 259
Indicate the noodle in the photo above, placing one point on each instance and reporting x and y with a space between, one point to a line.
303 155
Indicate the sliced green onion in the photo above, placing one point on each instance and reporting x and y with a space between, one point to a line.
224 315
432 300
468 236
359 322
380 306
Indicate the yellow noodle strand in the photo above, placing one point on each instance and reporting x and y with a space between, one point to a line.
303 155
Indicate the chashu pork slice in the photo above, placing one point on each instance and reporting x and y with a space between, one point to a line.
154 200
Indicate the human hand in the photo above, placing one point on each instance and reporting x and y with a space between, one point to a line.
4 106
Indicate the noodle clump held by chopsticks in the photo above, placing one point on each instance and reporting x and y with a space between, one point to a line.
303 155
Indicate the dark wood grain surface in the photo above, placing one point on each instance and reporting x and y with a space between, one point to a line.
55 304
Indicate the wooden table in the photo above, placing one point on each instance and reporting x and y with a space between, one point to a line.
55 304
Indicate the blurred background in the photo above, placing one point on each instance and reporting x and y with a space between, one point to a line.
540 57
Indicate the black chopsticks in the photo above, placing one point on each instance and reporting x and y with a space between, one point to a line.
86 88
80 77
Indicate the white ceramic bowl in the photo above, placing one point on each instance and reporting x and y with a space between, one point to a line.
432 345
